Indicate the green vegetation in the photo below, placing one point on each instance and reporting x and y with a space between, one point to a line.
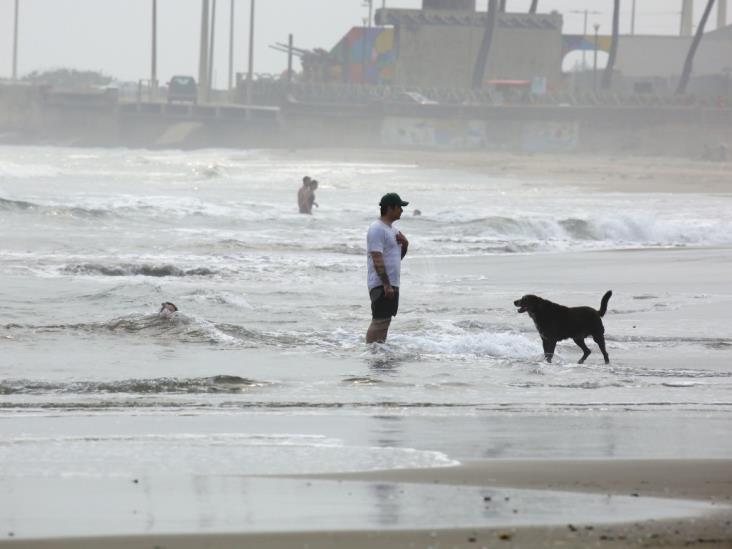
68 78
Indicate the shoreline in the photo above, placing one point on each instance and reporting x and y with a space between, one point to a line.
698 479
604 173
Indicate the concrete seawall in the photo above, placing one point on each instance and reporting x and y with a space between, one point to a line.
36 115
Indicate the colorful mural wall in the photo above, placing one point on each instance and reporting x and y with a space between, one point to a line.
366 56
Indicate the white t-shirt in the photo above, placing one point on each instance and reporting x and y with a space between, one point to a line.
382 238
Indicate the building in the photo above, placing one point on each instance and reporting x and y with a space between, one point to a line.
437 46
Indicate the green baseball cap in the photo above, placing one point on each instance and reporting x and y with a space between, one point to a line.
392 199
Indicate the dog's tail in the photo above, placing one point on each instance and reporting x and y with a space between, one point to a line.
603 304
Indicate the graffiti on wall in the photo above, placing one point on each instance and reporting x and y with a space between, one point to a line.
540 137
366 56
433 133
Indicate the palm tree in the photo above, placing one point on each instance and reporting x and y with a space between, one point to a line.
534 6
689 63
485 46
607 76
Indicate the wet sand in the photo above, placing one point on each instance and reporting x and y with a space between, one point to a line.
626 174
704 480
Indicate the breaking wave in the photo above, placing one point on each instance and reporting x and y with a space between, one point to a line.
129 269
515 233
167 385
52 210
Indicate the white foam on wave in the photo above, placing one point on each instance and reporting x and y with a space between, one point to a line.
201 453
633 229
500 345
26 171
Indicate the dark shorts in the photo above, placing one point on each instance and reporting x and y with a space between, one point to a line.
381 306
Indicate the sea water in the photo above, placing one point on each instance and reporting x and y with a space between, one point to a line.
264 369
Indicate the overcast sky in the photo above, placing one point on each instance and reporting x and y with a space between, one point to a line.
114 36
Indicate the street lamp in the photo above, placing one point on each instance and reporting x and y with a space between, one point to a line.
231 43
154 53
632 21
250 71
15 43
584 32
594 69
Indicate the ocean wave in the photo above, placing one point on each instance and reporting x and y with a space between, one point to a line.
638 229
130 269
27 171
179 327
52 210
203 385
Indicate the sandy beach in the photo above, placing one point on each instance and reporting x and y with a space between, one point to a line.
627 174
205 432
708 481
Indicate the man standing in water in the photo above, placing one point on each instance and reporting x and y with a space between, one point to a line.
303 196
385 249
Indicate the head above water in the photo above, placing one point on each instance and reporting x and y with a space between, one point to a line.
167 309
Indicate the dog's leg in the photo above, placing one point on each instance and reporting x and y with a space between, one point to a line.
549 347
585 350
600 340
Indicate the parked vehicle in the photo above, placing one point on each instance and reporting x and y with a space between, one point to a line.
183 89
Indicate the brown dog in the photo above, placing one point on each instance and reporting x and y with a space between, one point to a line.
557 322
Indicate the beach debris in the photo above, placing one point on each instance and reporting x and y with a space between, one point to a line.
505 536
572 527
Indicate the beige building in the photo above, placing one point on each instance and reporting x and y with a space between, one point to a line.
663 56
438 45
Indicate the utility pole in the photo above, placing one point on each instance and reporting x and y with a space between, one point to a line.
370 4
15 43
584 13
722 14
594 69
632 21
231 44
250 71
687 17
154 61
584 51
289 58
211 48
203 55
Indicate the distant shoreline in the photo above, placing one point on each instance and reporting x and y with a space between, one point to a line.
607 173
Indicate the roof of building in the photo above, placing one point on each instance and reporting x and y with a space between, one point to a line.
405 17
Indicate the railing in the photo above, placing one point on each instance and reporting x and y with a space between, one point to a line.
274 92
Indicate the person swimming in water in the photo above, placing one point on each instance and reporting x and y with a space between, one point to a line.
167 309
